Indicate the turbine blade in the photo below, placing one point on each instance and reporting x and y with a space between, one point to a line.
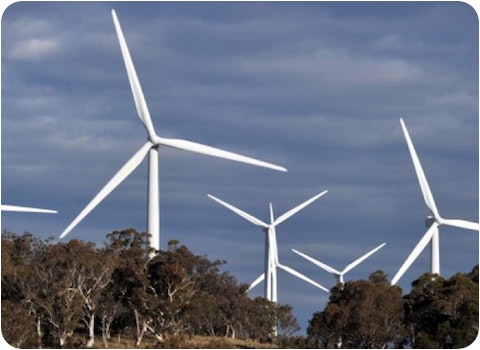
302 277
6 207
289 213
422 180
137 92
359 260
272 217
469 225
126 170
318 263
415 253
215 152
256 282
240 212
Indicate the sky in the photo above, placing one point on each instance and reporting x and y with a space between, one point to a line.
316 87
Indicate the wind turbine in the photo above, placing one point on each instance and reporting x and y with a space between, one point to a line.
6 207
433 221
271 252
338 273
151 147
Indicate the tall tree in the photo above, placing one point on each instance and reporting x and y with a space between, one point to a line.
93 271
24 327
360 314
130 286
55 291
171 276
287 323
443 313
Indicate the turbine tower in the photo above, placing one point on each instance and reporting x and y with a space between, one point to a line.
151 148
6 207
338 273
271 252
433 221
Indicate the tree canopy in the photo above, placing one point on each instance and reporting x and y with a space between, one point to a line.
360 314
75 294
64 294
438 313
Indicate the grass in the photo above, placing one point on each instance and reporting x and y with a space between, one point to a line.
182 342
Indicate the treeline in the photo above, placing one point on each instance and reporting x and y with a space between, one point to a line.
438 313
75 294
69 294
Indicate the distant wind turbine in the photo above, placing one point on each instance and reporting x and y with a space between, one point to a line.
433 221
151 147
6 207
338 273
271 252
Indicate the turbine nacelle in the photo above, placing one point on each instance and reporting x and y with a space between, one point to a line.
432 222
271 252
149 147
155 140
333 271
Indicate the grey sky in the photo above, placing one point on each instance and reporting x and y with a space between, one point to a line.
316 87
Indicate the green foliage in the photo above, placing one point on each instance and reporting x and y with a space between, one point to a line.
443 313
438 313
360 314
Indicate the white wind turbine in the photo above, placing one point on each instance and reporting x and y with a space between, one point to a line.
433 221
271 252
6 207
338 273
150 147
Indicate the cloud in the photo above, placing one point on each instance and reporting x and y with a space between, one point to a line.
335 67
35 39
316 87
33 49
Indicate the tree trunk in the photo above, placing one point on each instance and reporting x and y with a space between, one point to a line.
63 338
230 331
140 335
91 331
140 330
152 330
106 323
39 333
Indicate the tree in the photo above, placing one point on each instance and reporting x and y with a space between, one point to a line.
261 318
93 273
23 328
171 276
54 292
360 314
443 313
287 323
129 282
